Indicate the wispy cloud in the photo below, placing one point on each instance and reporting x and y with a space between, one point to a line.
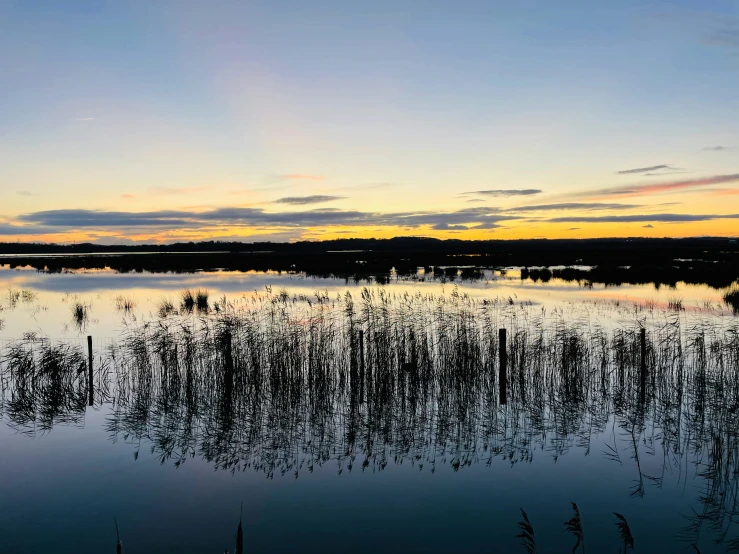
588 206
302 177
503 192
727 35
24 193
304 200
715 149
574 229
177 190
85 119
656 188
643 169
648 226
664 173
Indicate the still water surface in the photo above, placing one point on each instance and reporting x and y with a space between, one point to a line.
406 449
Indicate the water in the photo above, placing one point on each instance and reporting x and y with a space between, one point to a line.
411 451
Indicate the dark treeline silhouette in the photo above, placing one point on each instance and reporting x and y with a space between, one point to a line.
616 261
281 384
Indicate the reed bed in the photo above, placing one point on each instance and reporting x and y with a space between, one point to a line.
280 384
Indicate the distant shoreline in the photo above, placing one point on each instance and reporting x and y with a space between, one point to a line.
710 261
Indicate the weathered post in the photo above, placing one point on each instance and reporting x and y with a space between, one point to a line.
91 396
502 369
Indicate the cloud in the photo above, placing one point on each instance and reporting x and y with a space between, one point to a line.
715 149
574 229
643 169
479 218
447 227
648 226
6 229
24 193
504 192
643 218
303 200
85 119
573 206
656 188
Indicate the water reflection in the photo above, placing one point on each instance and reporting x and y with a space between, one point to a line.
280 384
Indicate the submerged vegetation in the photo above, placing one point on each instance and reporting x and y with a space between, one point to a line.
282 384
80 314
125 304
731 297
194 301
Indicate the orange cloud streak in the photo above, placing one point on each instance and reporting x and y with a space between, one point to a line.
657 188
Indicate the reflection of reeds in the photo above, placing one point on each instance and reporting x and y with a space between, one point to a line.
527 534
49 385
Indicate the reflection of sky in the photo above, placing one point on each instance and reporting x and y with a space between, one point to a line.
50 313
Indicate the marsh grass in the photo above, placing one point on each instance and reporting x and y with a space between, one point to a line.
194 301
187 301
624 532
165 308
201 301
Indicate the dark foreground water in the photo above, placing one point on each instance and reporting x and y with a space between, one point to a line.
373 422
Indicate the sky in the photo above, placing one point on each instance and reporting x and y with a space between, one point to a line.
157 121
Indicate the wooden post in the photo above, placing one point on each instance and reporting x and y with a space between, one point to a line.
91 397
361 366
502 369
643 366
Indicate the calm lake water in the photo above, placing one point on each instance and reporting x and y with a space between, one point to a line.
366 423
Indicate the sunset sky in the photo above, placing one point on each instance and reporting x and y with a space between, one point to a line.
161 121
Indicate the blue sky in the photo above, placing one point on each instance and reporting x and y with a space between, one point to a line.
389 110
